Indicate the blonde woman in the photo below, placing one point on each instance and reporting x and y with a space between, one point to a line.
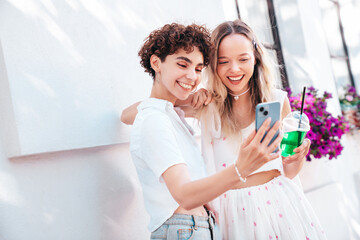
268 205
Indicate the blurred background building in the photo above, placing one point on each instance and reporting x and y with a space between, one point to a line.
68 68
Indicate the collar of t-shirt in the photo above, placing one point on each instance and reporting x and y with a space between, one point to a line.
165 106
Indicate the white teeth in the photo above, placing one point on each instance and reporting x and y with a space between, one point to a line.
184 85
236 79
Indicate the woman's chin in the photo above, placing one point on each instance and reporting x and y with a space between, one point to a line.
183 96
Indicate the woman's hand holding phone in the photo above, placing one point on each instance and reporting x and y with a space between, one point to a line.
256 151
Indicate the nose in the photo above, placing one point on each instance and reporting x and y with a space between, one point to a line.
234 66
191 74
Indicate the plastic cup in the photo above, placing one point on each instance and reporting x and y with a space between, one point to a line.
293 133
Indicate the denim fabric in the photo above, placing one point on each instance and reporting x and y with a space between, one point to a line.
185 227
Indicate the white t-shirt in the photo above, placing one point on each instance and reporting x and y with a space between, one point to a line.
159 140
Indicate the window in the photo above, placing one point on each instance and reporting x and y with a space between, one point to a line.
332 24
260 15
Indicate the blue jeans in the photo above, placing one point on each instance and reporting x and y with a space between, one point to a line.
184 226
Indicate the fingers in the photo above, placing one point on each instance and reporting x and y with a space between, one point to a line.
273 156
200 98
294 158
276 143
261 131
195 100
305 146
287 160
249 139
300 152
271 133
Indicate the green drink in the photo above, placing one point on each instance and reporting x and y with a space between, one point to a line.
294 126
290 141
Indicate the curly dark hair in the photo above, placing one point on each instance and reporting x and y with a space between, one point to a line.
168 39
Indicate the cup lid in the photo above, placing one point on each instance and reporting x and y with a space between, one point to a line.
291 122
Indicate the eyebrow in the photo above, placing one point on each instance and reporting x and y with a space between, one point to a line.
243 54
188 60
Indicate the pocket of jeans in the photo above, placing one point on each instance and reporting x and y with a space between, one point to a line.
185 234
160 233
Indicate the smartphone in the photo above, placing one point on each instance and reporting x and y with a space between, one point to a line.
264 111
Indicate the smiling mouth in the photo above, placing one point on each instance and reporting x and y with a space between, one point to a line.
235 79
186 86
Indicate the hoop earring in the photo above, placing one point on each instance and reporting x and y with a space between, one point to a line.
157 77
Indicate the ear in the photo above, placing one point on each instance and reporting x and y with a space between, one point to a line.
155 62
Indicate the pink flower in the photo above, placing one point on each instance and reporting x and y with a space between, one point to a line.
349 98
309 100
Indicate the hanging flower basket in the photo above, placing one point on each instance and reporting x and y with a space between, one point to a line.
325 129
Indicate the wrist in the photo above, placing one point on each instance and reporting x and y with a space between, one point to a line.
240 174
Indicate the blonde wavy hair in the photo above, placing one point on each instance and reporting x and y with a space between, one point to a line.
261 83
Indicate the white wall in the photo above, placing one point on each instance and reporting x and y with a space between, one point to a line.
71 66
67 69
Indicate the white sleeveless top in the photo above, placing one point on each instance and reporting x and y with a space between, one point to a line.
220 151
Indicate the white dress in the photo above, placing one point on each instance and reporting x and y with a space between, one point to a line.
277 209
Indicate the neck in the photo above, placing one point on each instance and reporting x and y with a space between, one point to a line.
243 103
160 92
243 111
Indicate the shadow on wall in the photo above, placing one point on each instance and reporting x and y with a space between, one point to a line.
80 194
53 197
10 196
121 202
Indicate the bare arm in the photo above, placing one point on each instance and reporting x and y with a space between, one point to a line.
189 106
253 154
294 163
191 194
128 114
